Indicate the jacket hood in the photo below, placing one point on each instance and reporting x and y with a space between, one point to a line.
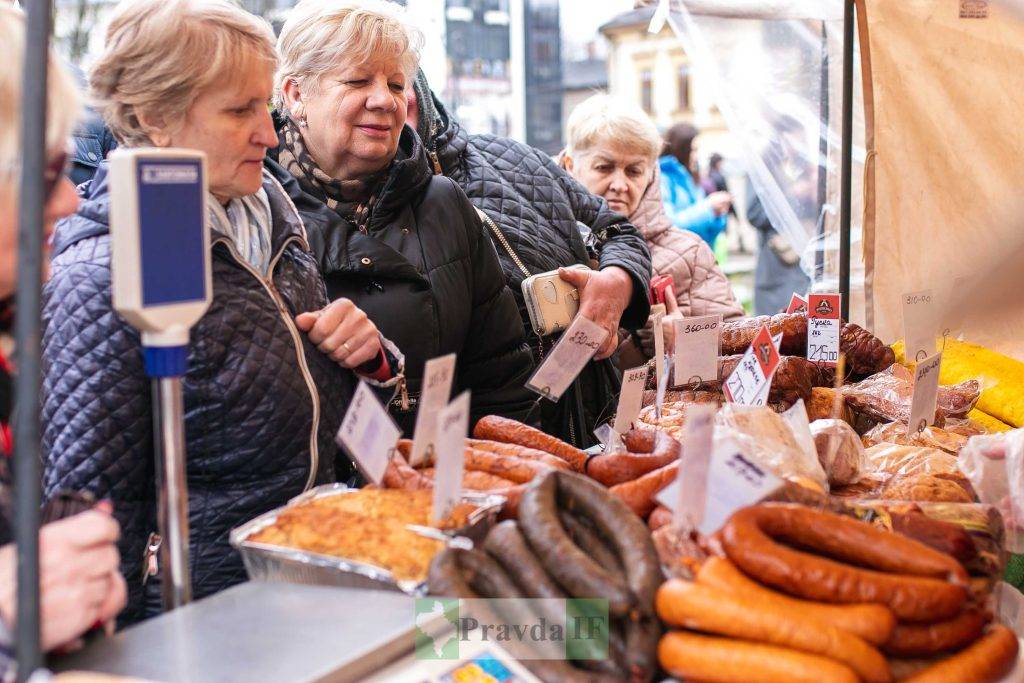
441 133
649 217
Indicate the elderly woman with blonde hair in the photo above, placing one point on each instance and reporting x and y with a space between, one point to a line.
270 364
403 243
612 149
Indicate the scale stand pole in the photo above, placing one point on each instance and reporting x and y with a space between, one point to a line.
172 490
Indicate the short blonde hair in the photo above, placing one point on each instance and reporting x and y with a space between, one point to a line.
320 34
161 55
63 101
602 119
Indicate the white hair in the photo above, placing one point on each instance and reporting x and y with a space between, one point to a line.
63 101
321 35
603 119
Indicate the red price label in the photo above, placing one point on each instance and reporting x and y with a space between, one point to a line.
797 304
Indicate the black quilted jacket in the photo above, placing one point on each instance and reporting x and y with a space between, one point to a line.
429 278
261 403
538 207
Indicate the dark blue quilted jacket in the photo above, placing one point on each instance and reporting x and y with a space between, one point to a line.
261 403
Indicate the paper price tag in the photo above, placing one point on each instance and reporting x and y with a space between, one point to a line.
631 398
734 481
610 438
452 427
698 432
747 383
765 390
368 434
796 419
659 396
659 341
797 304
570 355
920 324
926 390
698 341
823 328
437 387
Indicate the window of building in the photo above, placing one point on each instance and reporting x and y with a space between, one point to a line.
683 87
647 90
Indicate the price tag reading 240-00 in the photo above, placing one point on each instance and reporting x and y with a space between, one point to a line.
823 328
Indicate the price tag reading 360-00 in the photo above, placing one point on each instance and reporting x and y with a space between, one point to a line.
823 328
698 341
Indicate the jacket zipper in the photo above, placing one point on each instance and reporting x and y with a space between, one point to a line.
504 242
435 162
268 284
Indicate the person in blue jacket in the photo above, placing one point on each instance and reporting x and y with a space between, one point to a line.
685 202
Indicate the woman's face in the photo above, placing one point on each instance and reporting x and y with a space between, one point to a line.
620 176
61 202
354 119
232 124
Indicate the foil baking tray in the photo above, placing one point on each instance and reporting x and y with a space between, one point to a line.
273 563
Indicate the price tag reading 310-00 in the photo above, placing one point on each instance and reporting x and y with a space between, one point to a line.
823 328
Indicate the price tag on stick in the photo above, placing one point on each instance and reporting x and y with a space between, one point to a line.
766 389
698 430
631 398
734 481
823 329
698 342
920 324
452 427
659 397
797 304
748 383
437 388
659 343
567 359
926 391
368 434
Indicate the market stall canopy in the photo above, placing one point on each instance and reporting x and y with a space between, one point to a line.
944 88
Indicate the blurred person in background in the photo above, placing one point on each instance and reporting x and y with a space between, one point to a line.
612 149
404 244
686 203
78 557
542 219
270 364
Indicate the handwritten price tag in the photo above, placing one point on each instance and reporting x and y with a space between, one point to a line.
698 432
920 324
926 391
698 342
437 387
734 481
452 427
823 328
571 354
747 383
631 398
658 314
368 434
797 304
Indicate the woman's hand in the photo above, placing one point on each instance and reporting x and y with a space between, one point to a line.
604 295
79 580
343 332
720 202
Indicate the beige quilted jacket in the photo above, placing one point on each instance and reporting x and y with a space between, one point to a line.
699 284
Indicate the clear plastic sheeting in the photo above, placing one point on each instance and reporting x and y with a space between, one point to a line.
777 70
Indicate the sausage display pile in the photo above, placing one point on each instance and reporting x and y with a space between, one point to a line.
800 594
573 539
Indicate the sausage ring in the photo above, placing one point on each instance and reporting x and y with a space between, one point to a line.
914 581
922 640
990 658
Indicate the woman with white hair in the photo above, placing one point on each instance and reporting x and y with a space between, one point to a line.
404 244
270 364
612 150
79 578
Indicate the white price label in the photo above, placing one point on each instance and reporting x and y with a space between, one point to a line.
567 359
751 381
698 433
659 396
452 427
920 324
796 418
631 398
437 388
823 326
926 391
659 341
698 342
368 434
734 481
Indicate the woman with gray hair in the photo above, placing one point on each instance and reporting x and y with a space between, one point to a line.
612 150
404 244
270 364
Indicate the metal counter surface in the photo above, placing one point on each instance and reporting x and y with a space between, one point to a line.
261 632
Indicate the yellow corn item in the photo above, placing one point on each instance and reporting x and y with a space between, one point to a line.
1002 378
991 424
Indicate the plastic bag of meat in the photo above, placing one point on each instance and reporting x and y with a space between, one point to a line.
892 459
995 466
766 437
840 451
886 396
930 437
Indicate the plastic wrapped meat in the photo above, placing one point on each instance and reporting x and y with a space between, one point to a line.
886 397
